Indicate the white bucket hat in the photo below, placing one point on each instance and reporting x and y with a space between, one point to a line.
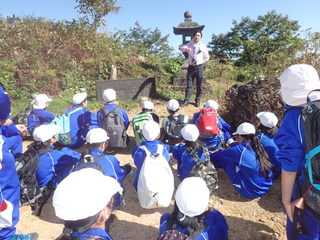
83 194
173 105
297 82
151 130
148 105
192 196
109 95
190 132
268 119
211 104
45 132
79 98
40 101
245 129
97 135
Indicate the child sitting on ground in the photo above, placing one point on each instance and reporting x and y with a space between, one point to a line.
191 215
172 125
208 118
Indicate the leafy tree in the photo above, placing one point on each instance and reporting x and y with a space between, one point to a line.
96 10
254 41
145 41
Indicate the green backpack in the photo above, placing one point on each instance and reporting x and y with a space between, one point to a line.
137 124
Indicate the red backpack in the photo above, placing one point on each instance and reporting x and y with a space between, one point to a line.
207 123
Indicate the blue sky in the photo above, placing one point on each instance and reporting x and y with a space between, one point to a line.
217 16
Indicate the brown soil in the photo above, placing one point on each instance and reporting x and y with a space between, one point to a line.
262 218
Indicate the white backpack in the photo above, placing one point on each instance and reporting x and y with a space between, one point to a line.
156 181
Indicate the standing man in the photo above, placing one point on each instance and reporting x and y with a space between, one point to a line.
197 57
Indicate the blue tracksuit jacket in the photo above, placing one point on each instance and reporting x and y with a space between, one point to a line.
217 227
92 232
38 117
55 162
80 123
242 167
290 140
10 189
185 161
13 139
111 168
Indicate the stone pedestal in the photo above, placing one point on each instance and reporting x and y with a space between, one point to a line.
180 81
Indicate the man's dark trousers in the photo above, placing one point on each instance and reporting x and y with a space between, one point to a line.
194 72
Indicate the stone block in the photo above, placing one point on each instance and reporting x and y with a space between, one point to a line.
128 88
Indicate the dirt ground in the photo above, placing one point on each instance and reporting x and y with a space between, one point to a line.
261 219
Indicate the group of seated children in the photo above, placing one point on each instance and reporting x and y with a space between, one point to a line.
88 190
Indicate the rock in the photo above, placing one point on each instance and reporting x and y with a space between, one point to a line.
244 100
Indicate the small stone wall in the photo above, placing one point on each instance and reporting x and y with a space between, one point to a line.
128 88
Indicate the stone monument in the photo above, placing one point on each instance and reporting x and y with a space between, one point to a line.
187 29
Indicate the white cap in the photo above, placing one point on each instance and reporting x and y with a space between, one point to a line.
245 129
268 119
97 135
190 132
79 98
83 194
109 95
151 130
45 132
148 105
192 196
173 105
40 101
211 104
297 82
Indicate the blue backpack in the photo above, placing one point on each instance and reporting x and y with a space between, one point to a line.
64 122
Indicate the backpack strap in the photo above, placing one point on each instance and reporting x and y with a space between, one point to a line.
172 118
45 150
105 111
195 156
116 109
181 118
159 150
308 98
87 161
74 110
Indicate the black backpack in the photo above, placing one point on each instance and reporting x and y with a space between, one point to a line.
114 126
22 116
173 126
205 170
26 166
88 161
